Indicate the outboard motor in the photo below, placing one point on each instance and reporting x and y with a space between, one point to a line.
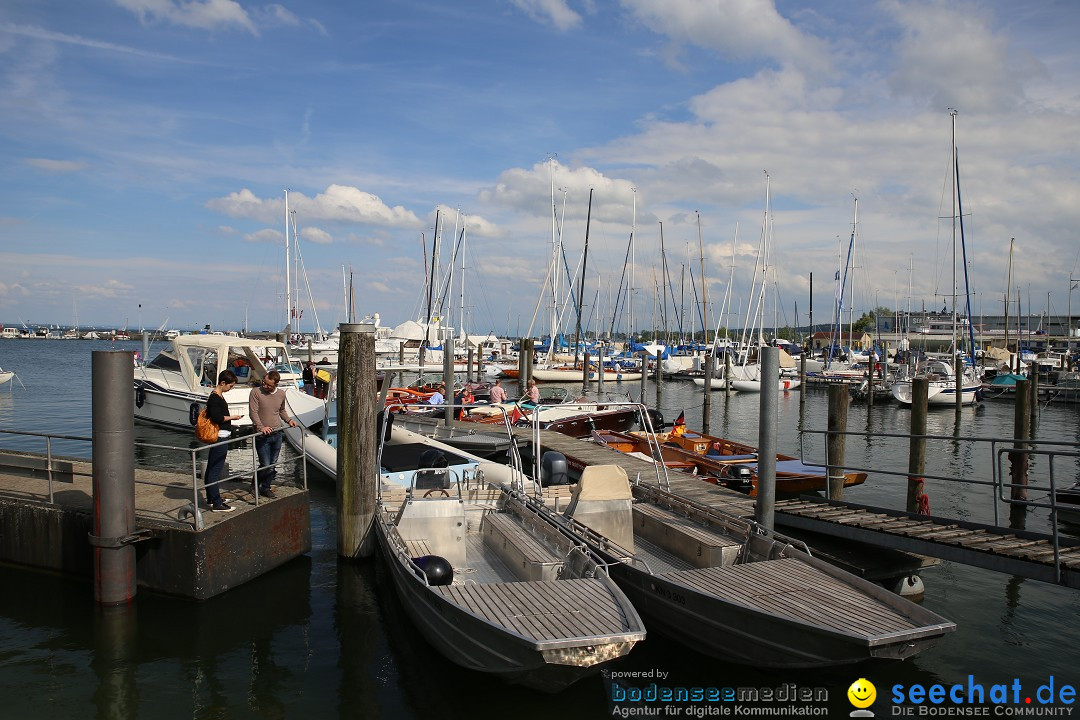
657 419
554 469
438 570
740 478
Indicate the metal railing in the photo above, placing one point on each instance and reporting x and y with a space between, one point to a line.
52 469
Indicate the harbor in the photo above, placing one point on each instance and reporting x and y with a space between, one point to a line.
341 639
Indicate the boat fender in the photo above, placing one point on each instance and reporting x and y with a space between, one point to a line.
436 569
193 414
140 396
979 394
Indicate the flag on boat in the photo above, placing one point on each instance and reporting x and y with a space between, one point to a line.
679 426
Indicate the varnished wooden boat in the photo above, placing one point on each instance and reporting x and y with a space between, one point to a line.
724 462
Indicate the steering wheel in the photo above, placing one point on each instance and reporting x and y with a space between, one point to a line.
444 492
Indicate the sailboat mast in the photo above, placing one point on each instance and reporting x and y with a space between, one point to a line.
581 284
952 161
288 281
704 286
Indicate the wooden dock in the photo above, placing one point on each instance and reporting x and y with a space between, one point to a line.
1017 552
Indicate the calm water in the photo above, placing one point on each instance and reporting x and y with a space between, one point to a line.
319 638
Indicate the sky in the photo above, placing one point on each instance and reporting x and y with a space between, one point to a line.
146 147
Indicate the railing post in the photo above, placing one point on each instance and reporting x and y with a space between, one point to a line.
838 407
765 506
113 476
917 443
357 475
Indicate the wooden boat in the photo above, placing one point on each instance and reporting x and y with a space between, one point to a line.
576 418
733 589
488 578
721 461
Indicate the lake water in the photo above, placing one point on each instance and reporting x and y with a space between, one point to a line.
322 638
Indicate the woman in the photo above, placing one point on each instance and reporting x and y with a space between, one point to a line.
217 410
533 392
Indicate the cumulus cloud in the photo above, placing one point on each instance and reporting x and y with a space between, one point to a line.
316 235
529 191
338 203
739 29
266 235
54 166
476 225
201 14
554 12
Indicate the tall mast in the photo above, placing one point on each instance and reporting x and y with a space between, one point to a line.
288 280
952 162
630 295
704 291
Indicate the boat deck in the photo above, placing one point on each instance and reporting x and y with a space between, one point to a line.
790 589
547 610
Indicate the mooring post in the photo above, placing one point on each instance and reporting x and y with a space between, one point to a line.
659 378
600 373
1018 459
838 407
450 399
917 443
469 366
113 446
530 365
585 374
802 383
1033 381
765 507
357 474
727 372
706 406
644 375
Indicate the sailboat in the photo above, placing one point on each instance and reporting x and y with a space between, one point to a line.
945 388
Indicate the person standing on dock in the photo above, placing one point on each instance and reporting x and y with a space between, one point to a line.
217 409
266 406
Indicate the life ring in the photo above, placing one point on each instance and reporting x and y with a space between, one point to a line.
193 414
140 396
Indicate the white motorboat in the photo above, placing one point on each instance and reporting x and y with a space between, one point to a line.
172 388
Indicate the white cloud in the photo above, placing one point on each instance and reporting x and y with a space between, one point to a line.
266 235
316 235
338 203
201 14
555 12
739 29
54 166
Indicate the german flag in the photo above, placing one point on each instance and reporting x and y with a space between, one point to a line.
679 426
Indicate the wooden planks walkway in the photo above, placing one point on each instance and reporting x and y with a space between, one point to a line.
1017 552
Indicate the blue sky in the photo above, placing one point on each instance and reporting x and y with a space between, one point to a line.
146 145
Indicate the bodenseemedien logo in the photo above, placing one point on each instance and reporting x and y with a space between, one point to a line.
862 694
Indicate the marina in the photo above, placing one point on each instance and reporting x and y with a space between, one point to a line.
1031 612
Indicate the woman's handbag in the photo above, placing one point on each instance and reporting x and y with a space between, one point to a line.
206 429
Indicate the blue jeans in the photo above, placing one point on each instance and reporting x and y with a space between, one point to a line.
267 447
215 461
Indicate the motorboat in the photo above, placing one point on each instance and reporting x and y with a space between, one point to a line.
728 463
487 578
733 589
172 388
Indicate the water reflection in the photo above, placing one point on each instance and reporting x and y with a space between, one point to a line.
115 662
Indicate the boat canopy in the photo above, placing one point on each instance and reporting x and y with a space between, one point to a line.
201 358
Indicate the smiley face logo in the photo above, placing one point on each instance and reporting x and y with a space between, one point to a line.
862 693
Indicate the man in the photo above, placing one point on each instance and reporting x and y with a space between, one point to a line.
309 378
266 408
438 398
497 393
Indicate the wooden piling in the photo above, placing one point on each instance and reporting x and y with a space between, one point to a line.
469 365
917 442
706 406
357 475
585 373
727 372
659 378
838 407
1033 381
1018 459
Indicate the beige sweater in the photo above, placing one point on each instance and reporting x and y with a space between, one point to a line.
267 408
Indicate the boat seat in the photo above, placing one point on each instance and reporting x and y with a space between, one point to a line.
697 544
601 501
521 551
439 522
